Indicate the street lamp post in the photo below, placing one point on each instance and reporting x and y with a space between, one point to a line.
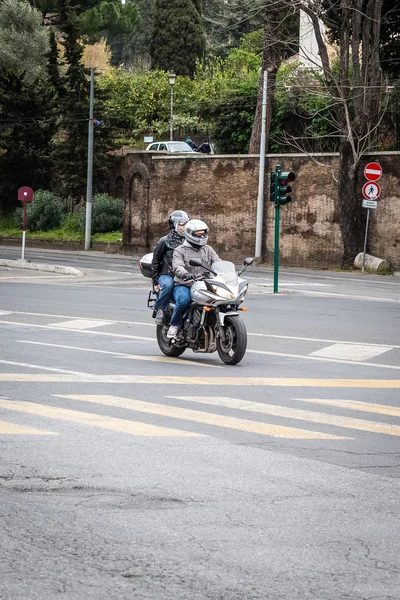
171 78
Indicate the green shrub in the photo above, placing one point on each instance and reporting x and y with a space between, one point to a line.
107 214
73 223
45 212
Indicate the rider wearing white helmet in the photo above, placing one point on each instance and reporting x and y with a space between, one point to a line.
194 246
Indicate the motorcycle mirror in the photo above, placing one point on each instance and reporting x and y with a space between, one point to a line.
247 262
195 262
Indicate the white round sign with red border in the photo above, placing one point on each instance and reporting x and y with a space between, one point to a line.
371 190
373 171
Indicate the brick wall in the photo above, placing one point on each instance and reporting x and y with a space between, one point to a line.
222 190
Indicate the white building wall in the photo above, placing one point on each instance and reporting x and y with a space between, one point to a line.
308 53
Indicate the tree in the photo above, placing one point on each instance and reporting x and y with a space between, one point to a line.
280 40
352 78
28 122
23 39
173 51
70 155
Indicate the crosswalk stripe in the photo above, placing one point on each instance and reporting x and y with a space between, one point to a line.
380 384
82 323
203 417
351 352
14 429
295 413
94 420
382 409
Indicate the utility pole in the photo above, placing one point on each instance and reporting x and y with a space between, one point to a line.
89 185
260 199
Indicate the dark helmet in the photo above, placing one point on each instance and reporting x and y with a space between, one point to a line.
175 216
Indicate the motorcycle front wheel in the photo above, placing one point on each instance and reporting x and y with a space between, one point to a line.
165 345
232 350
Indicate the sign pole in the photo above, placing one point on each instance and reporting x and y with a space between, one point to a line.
24 234
365 240
89 184
277 220
260 199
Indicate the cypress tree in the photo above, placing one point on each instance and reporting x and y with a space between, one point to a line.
178 38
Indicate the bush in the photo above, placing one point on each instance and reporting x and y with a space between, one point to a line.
107 214
73 223
45 212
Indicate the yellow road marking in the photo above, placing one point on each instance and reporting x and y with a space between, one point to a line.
166 359
211 381
381 409
14 429
202 417
296 413
94 420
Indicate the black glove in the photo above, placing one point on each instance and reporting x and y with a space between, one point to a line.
189 277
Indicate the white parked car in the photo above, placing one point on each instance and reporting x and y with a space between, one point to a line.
170 147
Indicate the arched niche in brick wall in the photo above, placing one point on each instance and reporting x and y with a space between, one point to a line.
118 191
136 198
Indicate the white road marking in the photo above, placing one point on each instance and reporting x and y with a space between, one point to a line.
42 368
196 416
308 339
166 359
323 359
82 324
295 413
352 353
151 324
94 420
85 331
6 312
137 337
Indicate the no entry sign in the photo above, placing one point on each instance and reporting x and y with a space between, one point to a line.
373 171
371 190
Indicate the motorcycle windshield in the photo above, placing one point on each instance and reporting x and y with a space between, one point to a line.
227 270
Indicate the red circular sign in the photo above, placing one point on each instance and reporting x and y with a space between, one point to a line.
371 190
373 171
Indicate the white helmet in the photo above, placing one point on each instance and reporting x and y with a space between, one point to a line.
190 229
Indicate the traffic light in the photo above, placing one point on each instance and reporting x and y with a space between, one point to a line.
272 194
283 189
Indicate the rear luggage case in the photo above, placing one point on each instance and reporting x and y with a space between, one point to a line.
145 265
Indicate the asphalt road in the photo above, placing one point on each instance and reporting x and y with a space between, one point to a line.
125 474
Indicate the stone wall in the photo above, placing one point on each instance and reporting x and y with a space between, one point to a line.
222 190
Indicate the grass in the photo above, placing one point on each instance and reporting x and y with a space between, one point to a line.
9 230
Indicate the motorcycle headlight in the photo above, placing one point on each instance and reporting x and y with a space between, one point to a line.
220 291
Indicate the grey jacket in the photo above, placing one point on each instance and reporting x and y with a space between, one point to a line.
181 257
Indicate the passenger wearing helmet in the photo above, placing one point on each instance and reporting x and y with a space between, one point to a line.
175 216
194 246
161 265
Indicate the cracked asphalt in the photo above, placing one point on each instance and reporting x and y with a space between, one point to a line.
124 475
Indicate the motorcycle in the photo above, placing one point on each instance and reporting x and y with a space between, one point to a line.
212 321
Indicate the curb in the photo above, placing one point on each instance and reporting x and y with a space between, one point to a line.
24 264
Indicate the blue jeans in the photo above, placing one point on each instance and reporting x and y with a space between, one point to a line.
166 283
182 301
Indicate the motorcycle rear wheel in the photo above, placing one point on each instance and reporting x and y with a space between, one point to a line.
233 349
165 344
